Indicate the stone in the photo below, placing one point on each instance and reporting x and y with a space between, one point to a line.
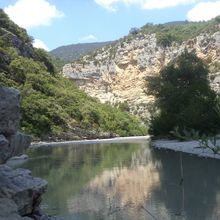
39 215
9 110
22 188
19 142
4 149
12 143
9 210
15 145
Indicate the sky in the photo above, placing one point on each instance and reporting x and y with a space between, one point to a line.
55 23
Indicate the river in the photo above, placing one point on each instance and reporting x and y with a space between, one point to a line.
126 181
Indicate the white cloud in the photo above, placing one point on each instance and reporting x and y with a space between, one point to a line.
88 38
111 5
40 44
159 4
204 11
107 4
32 13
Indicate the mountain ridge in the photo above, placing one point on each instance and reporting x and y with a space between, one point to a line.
75 51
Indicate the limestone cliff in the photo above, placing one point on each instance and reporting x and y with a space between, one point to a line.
20 193
117 73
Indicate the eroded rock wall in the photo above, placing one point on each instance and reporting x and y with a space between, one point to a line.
118 73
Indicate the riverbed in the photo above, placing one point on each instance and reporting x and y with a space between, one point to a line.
127 180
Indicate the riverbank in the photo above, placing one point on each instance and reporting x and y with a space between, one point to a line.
190 147
92 141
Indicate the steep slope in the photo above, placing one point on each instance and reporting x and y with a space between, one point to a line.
117 73
52 106
75 51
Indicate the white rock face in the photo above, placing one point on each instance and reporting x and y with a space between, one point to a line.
118 73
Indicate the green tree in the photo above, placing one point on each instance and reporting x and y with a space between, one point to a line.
184 98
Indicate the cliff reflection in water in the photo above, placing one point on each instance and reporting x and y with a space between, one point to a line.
120 188
126 181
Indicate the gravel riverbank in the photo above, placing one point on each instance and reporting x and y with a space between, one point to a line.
190 147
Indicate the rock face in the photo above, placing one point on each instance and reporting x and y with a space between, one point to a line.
15 145
19 186
117 73
24 49
12 143
9 110
20 193
9 210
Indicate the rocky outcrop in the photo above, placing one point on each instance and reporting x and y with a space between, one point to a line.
20 193
22 188
23 48
9 210
12 143
9 110
118 72
15 145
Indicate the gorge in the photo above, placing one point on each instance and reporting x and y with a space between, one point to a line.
101 95
117 73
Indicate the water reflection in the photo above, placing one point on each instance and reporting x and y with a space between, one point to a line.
127 181
197 197
119 189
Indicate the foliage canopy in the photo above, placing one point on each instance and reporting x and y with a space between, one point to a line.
184 98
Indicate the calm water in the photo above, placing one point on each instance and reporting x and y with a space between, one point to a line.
129 181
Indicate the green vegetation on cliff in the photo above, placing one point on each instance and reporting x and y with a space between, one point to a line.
52 105
165 34
180 31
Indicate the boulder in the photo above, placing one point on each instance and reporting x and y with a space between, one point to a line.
19 142
15 145
12 143
9 210
19 186
9 110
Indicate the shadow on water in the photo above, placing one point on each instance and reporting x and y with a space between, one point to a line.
126 181
198 195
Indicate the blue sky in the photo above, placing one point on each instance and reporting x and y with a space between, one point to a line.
55 23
